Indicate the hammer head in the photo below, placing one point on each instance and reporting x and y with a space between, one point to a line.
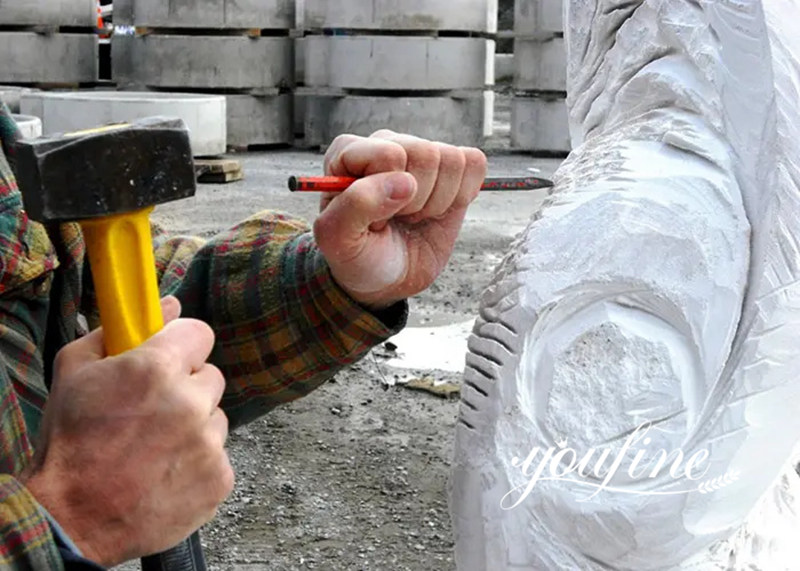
105 171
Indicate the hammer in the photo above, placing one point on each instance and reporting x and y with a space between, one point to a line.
109 179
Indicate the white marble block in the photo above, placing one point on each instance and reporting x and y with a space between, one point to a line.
630 397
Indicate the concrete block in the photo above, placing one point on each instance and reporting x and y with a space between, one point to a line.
300 105
255 120
123 13
11 95
299 14
540 124
48 13
231 14
538 17
503 68
26 57
468 15
66 112
29 126
399 63
299 60
489 98
540 66
211 62
232 62
460 121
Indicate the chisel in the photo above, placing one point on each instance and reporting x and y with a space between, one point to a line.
341 183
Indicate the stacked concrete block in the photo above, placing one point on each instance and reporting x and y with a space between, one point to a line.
539 111
52 13
299 70
241 49
419 66
48 41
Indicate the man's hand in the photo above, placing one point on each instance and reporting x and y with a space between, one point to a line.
132 460
390 235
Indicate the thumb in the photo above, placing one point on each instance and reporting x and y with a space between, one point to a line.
341 228
170 308
91 347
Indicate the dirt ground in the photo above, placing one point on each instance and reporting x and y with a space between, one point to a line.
354 476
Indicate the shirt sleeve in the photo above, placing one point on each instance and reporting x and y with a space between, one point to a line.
27 541
283 326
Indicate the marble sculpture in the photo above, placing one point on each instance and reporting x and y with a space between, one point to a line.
650 312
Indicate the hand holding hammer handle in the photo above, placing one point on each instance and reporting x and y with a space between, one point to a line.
121 257
109 179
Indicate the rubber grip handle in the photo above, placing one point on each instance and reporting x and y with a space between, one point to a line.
188 556
120 250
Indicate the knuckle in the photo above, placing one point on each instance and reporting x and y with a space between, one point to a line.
334 151
62 360
344 139
427 156
392 156
476 159
340 143
189 407
321 229
222 424
228 479
224 478
452 157
151 366
211 441
383 134
217 378
216 432
201 328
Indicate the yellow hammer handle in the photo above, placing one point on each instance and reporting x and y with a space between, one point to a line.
120 250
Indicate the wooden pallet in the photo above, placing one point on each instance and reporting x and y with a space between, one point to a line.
218 171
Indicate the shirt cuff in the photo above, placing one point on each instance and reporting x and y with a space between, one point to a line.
62 539
394 318
71 555
318 299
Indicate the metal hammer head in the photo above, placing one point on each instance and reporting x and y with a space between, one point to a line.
105 171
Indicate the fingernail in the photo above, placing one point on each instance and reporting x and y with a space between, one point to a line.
399 187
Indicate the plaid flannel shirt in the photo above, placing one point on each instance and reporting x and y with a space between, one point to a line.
282 327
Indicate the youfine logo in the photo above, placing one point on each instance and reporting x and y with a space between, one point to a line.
599 469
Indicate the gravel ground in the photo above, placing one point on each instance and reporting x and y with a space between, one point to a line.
354 476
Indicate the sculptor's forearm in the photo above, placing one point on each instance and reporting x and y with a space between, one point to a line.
283 326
